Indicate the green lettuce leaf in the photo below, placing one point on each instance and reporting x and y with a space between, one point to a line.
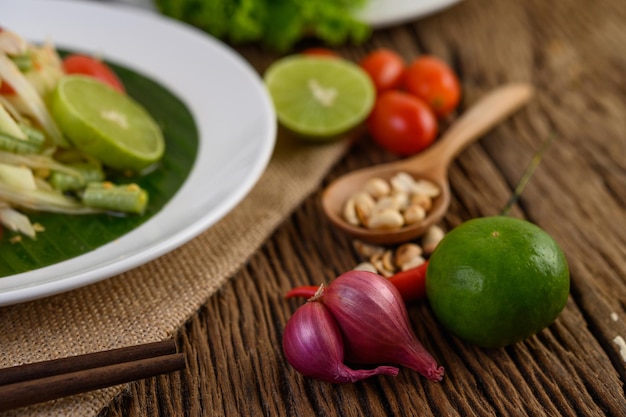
277 24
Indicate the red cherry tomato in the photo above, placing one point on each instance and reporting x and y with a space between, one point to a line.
402 123
435 82
385 67
86 65
323 52
6 89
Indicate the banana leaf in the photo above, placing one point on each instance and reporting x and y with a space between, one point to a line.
68 236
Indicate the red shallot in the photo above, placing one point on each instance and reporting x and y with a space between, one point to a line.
374 322
313 345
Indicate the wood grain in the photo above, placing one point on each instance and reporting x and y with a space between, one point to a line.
572 52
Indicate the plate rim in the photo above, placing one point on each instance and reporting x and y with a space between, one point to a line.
31 285
385 13
377 13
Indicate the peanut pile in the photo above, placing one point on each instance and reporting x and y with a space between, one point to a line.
392 204
388 261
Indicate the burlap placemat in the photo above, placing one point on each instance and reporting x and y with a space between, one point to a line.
151 302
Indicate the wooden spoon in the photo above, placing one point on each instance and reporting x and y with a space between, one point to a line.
431 164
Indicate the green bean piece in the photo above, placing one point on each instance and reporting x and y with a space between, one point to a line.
12 144
24 61
63 181
126 198
33 134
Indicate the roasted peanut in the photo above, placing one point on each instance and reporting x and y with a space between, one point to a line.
414 214
380 267
402 200
363 205
377 188
367 250
386 219
349 212
402 182
366 266
406 253
387 202
415 262
431 239
426 187
387 260
422 200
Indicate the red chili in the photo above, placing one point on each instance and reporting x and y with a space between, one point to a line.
306 291
411 284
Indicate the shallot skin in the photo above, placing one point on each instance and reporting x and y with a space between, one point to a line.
374 322
313 345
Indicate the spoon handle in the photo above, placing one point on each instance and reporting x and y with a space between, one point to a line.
490 110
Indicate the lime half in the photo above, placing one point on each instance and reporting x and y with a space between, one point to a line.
319 97
106 124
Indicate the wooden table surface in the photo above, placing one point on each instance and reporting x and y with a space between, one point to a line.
573 51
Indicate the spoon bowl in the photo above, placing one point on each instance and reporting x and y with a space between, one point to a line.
431 164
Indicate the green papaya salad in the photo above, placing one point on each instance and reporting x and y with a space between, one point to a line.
66 123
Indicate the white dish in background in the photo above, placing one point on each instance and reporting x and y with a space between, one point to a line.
377 13
232 110
384 13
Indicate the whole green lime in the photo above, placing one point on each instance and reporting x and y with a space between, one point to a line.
494 281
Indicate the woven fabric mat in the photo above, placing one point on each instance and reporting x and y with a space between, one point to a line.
152 302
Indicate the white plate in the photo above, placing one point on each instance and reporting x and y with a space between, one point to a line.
377 13
383 13
232 111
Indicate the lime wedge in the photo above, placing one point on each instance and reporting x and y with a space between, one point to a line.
319 97
106 124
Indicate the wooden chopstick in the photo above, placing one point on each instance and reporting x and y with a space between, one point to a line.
90 360
44 381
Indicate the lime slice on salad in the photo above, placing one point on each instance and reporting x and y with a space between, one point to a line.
106 124
319 97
